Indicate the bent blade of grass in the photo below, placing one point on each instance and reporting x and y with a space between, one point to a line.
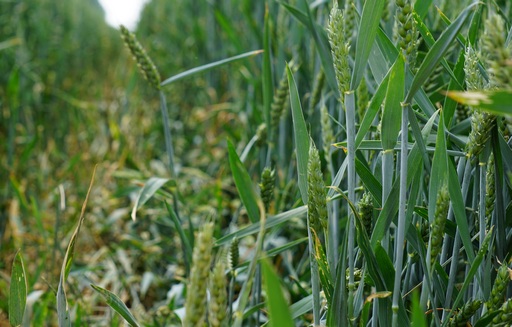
437 51
278 309
146 192
301 136
62 303
117 304
493 101
368 26
17 291
209 66
244 184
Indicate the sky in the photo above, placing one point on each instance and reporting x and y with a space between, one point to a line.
124 12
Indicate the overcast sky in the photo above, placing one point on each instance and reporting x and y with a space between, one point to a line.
124 12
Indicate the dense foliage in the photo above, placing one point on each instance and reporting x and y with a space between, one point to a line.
356 172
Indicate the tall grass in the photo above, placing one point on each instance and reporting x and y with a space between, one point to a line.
400 218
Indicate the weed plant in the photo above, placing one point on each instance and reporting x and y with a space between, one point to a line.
356 172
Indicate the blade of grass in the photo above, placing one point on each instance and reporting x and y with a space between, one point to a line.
437 51
278 309
209 66
392 111
117 304
62 303
244 184
494 101
146 192
301 136
17 291
368 26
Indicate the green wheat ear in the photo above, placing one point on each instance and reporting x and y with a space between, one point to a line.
327 133
504 318
195 304
465 313
407 33
440 215
317 203
268 180
146 65
366 212
279 103
498 289
339 49
217 306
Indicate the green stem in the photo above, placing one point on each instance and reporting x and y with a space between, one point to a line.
350 110
400 235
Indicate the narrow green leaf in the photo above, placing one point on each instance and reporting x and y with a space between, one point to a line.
17 291
321 41
370 182
418 316
439 172
244 184
392 112
302 306
62 303
209 66
117 304
301 136
368 26
271 222
146 192
421 7
187 248
494 101
437 51
371 112
459 211
278 309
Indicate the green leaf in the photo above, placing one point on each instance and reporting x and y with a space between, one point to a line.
392 112
418 316
459 210
421 7
436 53
301 136
187 248
370 19
278 310
62 303
496 101
302 306
439 172
117 304
272 221
244 184
17 291
321 41
209 66
146 192
371 112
